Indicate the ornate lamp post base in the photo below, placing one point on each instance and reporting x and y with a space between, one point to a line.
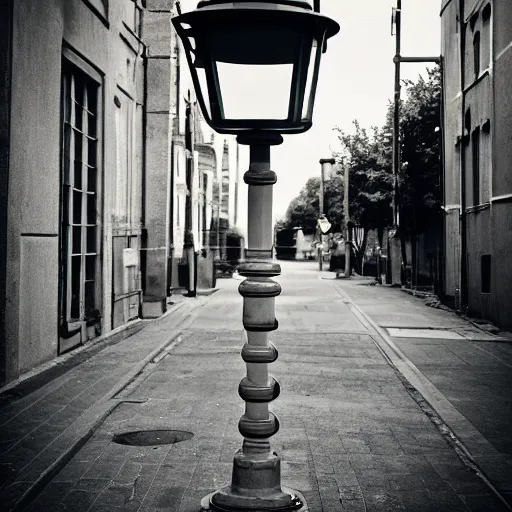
231 499
234 501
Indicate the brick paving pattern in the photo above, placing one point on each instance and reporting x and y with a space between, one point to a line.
352 438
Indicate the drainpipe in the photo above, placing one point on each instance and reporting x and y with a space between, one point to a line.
463 292
440 257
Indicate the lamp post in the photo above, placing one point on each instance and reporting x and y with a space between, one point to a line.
246 49
325 170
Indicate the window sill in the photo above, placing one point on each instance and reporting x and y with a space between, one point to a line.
478 208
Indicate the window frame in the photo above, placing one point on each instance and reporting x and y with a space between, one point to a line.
477 57
73 68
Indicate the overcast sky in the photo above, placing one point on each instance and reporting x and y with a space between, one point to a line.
356 80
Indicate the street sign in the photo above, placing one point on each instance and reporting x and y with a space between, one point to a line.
324 225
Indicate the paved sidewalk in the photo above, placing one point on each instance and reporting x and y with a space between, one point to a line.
353 437
464 373
40 430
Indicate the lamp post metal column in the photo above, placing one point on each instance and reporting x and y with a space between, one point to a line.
256 476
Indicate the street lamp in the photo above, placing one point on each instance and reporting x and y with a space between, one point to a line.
254 65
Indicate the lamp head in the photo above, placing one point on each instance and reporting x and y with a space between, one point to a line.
254 63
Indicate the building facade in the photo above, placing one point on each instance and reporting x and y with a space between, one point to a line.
477 179
72 154
105 163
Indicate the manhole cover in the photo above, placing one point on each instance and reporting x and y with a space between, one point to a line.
152 437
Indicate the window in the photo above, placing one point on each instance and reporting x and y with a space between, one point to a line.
475 157
137 17
79 219
467 122
486 13
476 54
132 15
485 50
486 273
127 179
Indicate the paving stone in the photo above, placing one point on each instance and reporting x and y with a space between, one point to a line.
382 500
483 502
78 500
50 497
71 473
103 469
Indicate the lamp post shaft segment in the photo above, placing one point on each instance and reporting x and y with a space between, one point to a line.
256 478
322 189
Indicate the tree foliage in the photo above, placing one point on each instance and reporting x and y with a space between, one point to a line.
365 157
419 175
303 211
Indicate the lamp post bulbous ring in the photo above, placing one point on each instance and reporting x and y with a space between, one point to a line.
259 289
260 178
258 394
267 327
259 269
257 354
259 429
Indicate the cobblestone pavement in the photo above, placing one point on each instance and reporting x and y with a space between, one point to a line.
353 436
472 373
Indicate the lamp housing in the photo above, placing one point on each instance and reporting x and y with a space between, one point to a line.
255 64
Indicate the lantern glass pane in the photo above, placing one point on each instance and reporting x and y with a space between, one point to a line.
201 76
255 91
308 96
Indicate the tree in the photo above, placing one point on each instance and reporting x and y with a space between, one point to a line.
304 210
366 157
419 176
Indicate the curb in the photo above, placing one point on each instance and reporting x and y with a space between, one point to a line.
431 401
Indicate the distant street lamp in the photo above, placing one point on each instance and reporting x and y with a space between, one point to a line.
254 65
325 171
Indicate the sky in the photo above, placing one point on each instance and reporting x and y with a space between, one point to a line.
356 81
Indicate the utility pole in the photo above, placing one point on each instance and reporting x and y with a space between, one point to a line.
346 211
394 240
189 236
